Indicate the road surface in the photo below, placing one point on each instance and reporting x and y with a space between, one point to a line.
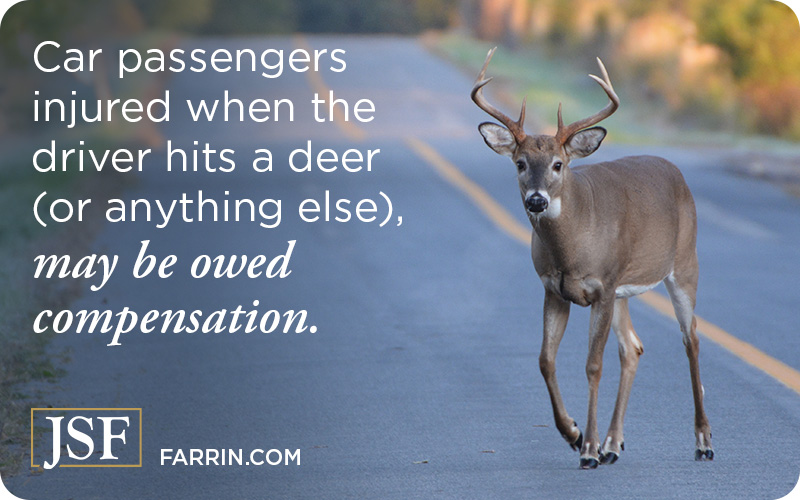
422 380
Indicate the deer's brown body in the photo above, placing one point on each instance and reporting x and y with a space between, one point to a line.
602 233
574 246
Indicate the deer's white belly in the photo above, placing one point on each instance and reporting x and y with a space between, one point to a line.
625 291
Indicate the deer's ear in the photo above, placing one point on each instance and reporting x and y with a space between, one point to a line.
585 142
498 138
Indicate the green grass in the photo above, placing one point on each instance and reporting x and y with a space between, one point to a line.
22 357
27 365
25 362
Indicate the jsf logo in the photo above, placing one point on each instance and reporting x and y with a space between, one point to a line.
87 437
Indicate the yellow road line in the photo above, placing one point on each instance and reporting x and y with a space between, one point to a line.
348 128
496 213
748 353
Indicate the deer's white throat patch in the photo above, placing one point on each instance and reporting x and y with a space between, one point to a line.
553 209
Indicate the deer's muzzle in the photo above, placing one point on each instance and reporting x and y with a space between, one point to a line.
536 203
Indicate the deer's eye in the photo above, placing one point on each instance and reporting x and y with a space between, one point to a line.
557 166
520 165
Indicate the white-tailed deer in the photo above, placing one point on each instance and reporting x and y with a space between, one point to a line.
601 234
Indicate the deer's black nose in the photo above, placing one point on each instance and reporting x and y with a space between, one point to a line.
536 203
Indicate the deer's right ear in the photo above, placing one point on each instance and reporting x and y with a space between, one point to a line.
498 138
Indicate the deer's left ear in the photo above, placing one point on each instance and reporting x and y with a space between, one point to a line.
585 142
498 138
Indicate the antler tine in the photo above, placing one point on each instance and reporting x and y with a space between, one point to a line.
560 120
603 72
482 76
516 128
564 133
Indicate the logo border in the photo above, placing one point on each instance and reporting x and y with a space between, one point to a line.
34 466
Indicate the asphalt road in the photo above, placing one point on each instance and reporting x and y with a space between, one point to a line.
422 380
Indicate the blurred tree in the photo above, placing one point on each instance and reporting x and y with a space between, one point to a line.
357 16
79 24
88 21
380 16
764 47
505 20
709 55
434 14
561 30
761 37
240 17
176 14
328 16
41 20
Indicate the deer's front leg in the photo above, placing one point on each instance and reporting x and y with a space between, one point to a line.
556 314
600 324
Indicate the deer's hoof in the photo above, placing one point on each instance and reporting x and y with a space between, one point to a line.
702 455
578 443
589 463
608 458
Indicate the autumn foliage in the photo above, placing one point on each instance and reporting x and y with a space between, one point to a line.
731 64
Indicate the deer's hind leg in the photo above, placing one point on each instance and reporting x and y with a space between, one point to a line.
630 348
682 287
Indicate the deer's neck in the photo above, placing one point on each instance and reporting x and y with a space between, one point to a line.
568 225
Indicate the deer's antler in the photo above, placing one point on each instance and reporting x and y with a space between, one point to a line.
516 128
564 133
